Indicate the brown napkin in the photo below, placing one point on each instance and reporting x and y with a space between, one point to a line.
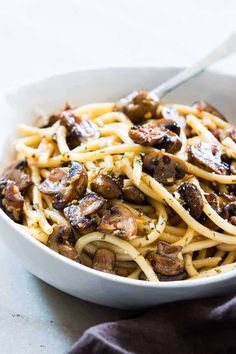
199 326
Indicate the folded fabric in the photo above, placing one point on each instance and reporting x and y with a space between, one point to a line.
197 326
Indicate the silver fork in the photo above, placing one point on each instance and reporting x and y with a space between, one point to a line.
226 48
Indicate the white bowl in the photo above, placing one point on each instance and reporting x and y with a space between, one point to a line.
21 104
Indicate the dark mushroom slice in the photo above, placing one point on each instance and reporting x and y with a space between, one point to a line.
154 135
62 241
91 203
167 260
138 106
79 216
192 198
19 173
207 107
165 169
119 179
120 222
65 184
104 260
208 157
228 212
133 195
106 187
171 113
83 224
213 200
12 201
169 124
78 131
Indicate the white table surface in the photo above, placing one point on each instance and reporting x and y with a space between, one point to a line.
38 38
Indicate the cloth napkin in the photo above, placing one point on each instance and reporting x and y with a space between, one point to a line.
197 326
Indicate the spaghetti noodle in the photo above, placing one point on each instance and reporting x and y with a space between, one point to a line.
137 188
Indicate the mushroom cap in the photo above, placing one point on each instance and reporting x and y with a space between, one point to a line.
138 106
79 216
104 260
133 195
166 260
208 157
12 200
192 197
78 131
166 169
62 241
65 184
106 187
155 134
120 222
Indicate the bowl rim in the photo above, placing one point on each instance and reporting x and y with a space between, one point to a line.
60 73
189 283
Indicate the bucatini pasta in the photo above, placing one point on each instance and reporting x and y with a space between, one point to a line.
137 188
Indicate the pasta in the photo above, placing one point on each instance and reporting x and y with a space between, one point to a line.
136 188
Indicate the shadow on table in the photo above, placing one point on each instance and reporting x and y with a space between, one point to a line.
71 315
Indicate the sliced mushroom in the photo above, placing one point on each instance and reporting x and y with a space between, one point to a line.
169 124
213 200
19 173
228 212
120 222
167 260
138 106
79 131
104 260
171 113
192 198
165 169
65 184
207 107
62 241
119 179
106 187
12 200
91 203
133 195
79 216
83 224
154 135
208 157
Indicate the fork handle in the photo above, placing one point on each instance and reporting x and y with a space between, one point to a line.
226 48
